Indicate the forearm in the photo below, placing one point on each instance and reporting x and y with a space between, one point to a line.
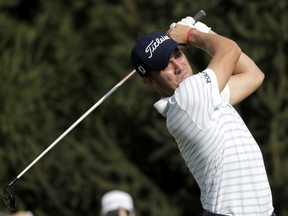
210 43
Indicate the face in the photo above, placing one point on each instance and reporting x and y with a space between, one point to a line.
167 80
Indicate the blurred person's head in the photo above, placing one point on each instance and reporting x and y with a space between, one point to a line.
117 203
22 213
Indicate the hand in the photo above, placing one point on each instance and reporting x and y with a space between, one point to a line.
179 33
189 21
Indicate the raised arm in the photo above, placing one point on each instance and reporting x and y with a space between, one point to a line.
245 79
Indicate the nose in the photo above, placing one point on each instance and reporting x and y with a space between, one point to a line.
177 66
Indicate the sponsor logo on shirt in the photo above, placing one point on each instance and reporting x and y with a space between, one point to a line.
206 76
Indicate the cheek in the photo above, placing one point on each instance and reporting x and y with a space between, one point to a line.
187 66
185 62
167 79
172 82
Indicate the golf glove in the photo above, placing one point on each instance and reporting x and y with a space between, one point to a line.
189 21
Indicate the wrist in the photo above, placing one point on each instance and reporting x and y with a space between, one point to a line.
188 35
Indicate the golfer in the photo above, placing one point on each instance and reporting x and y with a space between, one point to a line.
215 143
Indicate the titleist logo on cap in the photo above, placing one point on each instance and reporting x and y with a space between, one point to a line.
151 48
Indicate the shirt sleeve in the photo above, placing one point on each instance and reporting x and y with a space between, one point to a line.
225 94
199 96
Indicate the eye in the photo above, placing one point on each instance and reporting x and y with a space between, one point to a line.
178 54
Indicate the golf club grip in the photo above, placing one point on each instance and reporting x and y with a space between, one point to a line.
199 16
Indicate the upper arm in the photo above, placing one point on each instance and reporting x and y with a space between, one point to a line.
246 78
224 61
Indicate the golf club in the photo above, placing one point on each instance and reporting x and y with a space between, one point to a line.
199 16
8 194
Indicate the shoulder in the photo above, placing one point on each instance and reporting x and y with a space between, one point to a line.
198 84
199 91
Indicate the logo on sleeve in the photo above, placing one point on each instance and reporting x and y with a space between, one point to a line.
206 76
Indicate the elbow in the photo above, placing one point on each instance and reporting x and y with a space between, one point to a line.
233 53
236 51
256 79
260 77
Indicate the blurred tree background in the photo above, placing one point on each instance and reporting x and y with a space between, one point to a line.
57 58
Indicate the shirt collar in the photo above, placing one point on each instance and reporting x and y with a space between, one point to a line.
161 106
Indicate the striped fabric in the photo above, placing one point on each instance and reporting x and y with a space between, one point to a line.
218 148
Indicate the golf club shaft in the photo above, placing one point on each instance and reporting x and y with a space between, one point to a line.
75 124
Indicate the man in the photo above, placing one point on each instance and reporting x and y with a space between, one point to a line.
117 203
215 143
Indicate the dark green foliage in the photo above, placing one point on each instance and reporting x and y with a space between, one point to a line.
57 58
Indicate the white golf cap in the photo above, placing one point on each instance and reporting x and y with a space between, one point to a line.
116 199
22 213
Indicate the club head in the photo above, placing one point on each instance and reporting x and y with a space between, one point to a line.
9 198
